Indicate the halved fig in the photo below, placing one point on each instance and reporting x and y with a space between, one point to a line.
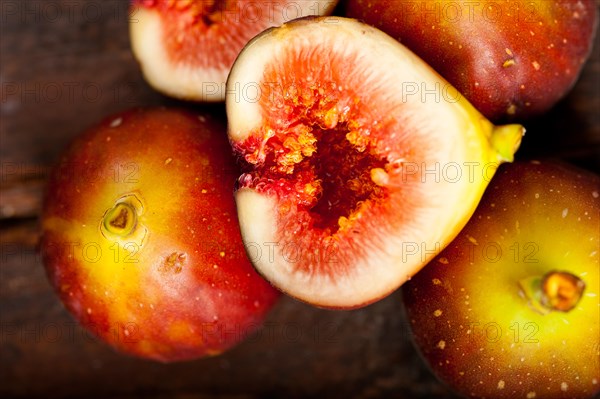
361 163
186 47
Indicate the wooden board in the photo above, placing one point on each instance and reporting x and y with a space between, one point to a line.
67 64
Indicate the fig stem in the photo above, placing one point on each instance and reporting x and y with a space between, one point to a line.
506 139
554 291
121 219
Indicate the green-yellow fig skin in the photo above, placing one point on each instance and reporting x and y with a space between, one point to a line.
512 59
471 312
177 285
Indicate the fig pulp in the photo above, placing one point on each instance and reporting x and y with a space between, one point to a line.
141 240
361 163
186 47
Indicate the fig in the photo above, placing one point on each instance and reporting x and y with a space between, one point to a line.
510 308
141 240
360 162
186 47
512 59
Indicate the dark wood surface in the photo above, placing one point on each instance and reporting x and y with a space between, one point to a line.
67 64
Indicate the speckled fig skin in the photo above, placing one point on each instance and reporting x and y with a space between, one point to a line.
468 315
178 285
512 59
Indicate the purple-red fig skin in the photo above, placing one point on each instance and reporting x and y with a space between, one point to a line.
188 290
512 59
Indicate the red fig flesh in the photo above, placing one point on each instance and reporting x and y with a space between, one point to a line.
186 47
340 204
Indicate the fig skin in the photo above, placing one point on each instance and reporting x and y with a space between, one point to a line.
337 188
512 61
186 47
471 312
165 275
